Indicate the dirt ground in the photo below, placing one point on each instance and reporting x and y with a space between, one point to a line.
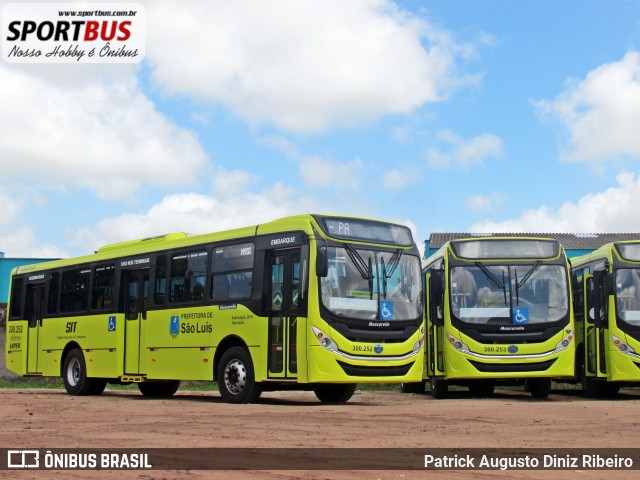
33 418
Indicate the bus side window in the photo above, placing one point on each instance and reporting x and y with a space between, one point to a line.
232 272
188 276
54 290
160 287
103 287
16 298
75 290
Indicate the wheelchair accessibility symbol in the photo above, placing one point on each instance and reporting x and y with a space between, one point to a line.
386 310
521 316
112 324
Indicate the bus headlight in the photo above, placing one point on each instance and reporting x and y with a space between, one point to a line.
623 347
324 340
418 345
457 344
566 341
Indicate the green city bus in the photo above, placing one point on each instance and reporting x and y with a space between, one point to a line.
607 308
498 310
317 302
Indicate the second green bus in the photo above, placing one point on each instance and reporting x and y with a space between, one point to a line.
498 310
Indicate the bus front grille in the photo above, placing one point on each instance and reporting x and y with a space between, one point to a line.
361 371
512 367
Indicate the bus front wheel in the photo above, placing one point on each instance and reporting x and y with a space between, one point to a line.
439 388
236 377
412 387
539 387
334 392
74 376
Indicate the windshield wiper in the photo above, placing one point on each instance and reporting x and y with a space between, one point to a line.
393 264
365 270
494 279
526 277
533 268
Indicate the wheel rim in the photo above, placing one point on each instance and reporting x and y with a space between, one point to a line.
73 372
235 376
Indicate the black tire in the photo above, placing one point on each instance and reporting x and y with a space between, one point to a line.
439 388
609 390
412 387
159 389
590 387
481 388
334 392
236 377
539 387
99 384
74 374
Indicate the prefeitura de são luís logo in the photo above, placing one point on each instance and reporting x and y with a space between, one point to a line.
73 32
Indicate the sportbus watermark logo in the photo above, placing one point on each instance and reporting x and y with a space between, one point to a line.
73 32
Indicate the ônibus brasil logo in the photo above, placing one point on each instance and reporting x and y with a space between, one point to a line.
73 33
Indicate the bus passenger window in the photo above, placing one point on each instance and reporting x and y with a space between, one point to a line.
16 298
160 289
188 276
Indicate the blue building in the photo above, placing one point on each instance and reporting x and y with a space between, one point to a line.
8 264
575 244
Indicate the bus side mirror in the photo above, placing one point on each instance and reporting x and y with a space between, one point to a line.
322 264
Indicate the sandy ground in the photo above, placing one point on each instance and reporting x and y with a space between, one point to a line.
34 418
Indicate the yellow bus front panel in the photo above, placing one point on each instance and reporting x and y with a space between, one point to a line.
468 359
332 356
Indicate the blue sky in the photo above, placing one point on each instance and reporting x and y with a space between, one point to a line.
445 115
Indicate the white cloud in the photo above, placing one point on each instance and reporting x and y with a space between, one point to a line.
463 153
16 238
193 213
105 135
228 183
486 203
610 211
400 178
319 172
20 241
600 113
302 65
10 208
324 173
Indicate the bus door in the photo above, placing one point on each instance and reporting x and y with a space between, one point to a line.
435 325
135 293
284 289
595 352
35 305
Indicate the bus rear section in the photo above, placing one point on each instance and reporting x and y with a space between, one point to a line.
498 312
607 306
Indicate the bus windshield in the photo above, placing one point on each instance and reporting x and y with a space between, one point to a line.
369 284
509 295
628 295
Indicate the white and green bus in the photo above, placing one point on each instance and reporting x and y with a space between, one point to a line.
498 311
310 302
607 308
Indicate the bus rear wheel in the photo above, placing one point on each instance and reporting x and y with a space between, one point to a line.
159 389
74 376
334 392
236 377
